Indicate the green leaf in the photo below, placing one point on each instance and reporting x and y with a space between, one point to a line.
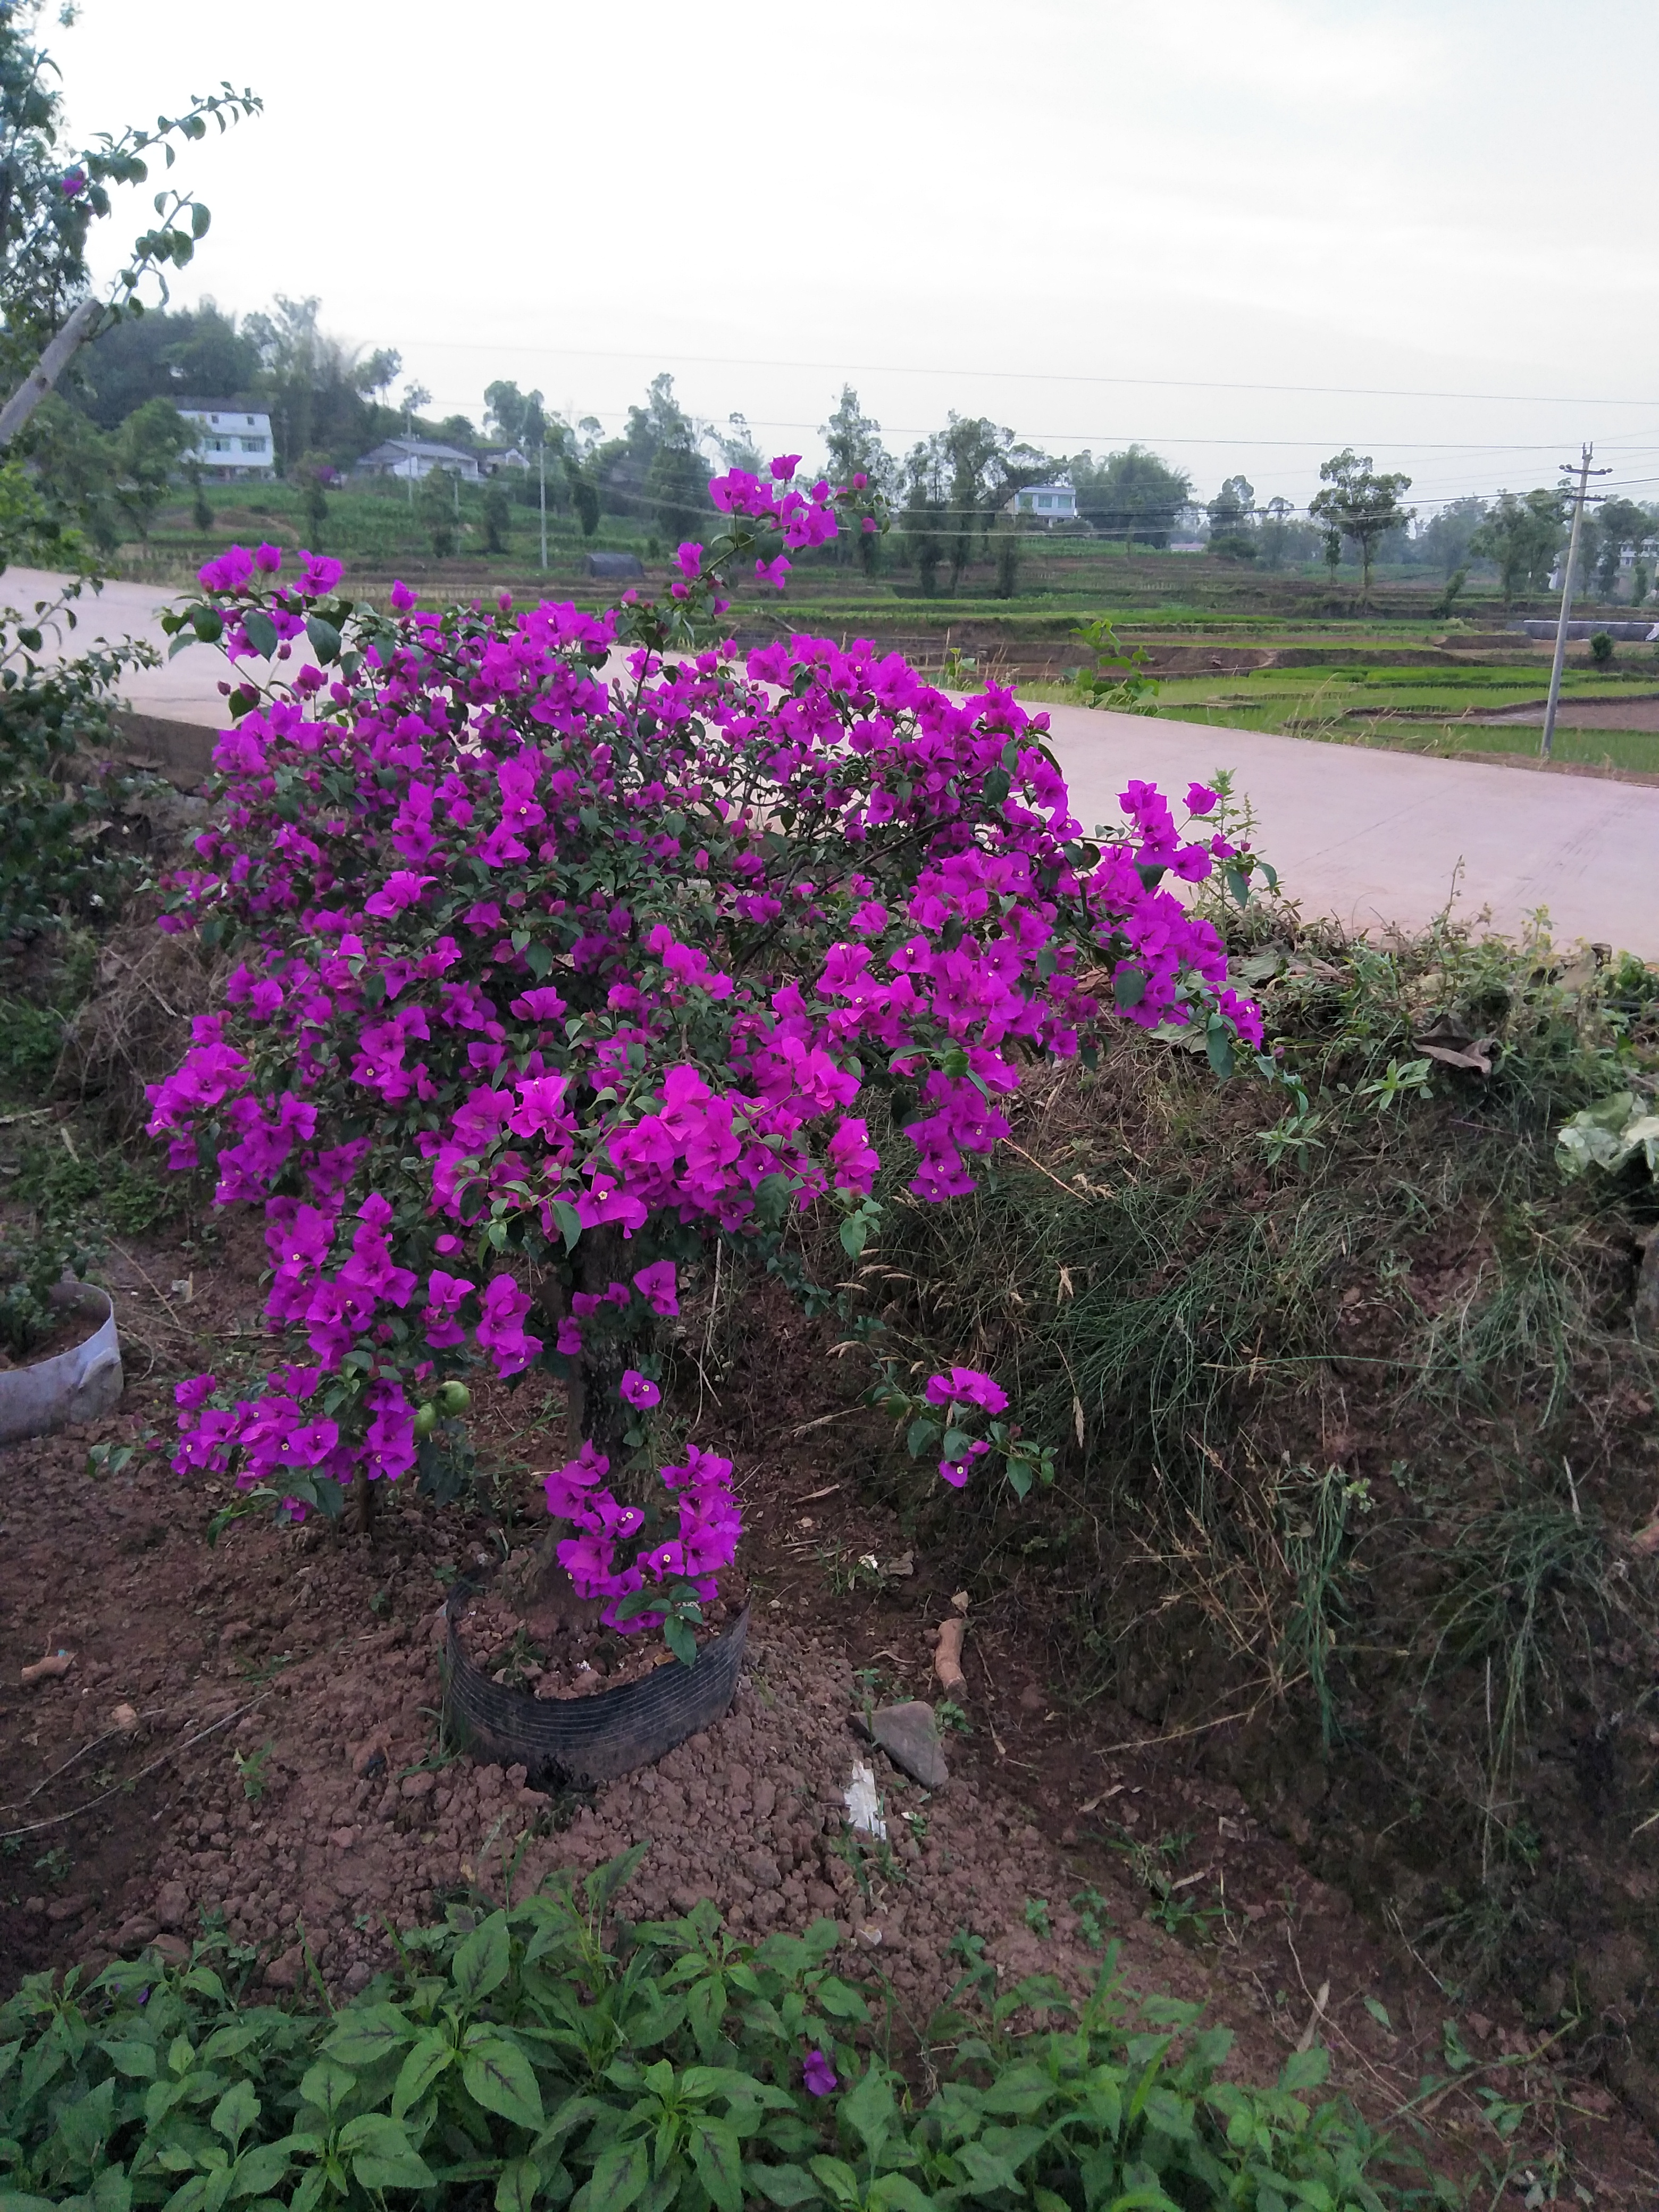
921 1436
235 2112
500 2078
135 2060
363 2039
259 2169
382 2156
569 2115
1305 2070
419 2070
1218 1043
1379 2013
718 2157
538 957
261 632
569 1221
784 2186
986 2172
1171 2115
516 2189
483 1960
325 639
616 2180
1128 987
837 2179
898 2193
677 1636
111 2192
326 2086
867 2107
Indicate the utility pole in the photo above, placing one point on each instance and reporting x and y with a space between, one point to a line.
541 480
1585 472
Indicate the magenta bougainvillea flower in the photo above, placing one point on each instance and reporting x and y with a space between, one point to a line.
522 972
968 1387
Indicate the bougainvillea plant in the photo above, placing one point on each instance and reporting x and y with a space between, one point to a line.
567 944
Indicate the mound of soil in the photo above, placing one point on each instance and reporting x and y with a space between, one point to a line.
246 1748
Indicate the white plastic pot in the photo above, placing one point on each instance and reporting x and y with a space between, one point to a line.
76 1385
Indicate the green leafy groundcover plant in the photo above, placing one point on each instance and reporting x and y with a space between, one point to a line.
518 2058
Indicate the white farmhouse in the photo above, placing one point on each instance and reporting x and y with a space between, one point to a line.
233 441
1048 502
415 457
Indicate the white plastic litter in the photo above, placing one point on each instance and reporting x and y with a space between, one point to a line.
78 1385
863 1806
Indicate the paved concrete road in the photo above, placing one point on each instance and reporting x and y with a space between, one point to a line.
1376 838
1372 838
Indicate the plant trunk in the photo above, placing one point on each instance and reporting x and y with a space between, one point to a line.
360 1506
597 1414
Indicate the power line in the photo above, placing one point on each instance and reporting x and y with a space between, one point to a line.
1018 375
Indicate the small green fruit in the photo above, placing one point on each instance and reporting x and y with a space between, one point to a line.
426 1419
454 1397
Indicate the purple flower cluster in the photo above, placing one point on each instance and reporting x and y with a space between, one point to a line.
710 1523
525 957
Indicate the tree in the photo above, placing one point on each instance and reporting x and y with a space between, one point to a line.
852 441
585 500
497 518
435 502
376 376
49 203
1618 524
167 354
1444 538
738 448
515 417
1232 520
314 473
1522 538
1275 531
959 481
309 380
1133 496
1360 506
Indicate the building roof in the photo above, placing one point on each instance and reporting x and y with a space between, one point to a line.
420 448
219 407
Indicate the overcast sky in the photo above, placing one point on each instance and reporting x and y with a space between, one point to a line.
1245 231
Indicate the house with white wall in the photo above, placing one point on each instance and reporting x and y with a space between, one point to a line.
1047 502
415 457
234 442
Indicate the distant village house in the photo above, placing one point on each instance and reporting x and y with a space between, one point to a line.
233 443
416 457
1047 502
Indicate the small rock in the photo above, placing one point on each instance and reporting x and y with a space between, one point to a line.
418 1785
343 1838
358 1977
234 1631
134 1934
124 1718
368 1758
1032 1700
174 1949
172 1904
34 1906
284 1974
67 1908
909 1734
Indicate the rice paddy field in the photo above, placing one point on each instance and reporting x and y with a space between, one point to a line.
1226 643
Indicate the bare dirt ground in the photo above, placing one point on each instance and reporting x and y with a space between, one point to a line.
276 1782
